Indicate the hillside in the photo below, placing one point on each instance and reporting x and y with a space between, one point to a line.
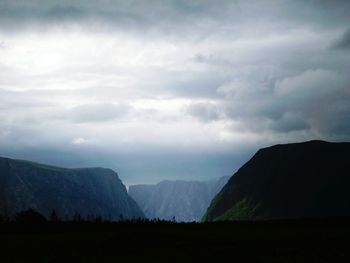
87 191
300 180
182 200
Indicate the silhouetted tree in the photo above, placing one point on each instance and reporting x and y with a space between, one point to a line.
90 218
54 217
4 218
121 217
98 219
77 217
30 216
109 217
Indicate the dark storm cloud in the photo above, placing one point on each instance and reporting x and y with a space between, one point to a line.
64 12
115 13
312 101
318 97
290 122
175 16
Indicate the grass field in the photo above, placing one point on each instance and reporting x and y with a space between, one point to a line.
274 241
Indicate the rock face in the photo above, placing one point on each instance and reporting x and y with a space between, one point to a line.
182 200
301 180
87 191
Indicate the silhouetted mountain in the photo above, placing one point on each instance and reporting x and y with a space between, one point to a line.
301 180
182 200
87 191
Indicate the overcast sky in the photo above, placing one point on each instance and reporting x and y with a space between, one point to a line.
170 89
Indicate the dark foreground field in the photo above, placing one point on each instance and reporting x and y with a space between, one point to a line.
297 241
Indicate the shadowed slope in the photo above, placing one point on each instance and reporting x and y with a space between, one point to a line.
88 191
301 180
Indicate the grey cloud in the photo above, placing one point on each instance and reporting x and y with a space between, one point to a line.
204 111
290 122
16 100
59 12
223 17
344 41
121 13
315 100
192 84
98 112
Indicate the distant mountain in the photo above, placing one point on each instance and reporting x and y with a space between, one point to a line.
88 191
182 200
301 180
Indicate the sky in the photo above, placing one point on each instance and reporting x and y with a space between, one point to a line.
170 89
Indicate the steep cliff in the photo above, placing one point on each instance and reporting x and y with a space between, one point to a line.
182 200
87 191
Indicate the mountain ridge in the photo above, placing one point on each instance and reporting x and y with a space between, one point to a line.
296 180
179 199
88 191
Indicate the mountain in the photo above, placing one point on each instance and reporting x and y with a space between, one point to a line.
182 200
300 180
87 191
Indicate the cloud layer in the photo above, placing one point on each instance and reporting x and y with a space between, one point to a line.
170 89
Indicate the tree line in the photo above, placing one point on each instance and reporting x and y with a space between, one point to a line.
33 216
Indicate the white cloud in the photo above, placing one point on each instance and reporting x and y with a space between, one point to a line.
79 140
